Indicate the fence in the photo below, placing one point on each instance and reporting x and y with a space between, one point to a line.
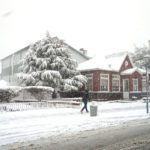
20 106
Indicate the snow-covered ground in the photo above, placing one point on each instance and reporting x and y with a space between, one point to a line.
22 126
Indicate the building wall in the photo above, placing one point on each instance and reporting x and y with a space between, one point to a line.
135 75
97 94
124 66
96 78
96 75
6 69
75 55
110 95
11 64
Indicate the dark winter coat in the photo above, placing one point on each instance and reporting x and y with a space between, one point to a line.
85 95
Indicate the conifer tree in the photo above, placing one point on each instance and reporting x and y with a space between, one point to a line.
49 63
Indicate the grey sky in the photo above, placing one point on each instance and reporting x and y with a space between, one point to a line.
100 26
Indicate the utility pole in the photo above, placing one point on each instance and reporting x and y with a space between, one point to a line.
147 102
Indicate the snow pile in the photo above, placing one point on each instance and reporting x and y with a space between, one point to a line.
39 88
33 124
3 84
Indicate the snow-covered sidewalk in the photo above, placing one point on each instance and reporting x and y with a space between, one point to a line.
32 124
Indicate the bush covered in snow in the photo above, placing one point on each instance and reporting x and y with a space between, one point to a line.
49 63
7 93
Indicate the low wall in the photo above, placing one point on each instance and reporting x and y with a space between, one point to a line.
106 96
94 95
33 95
136 95
70 94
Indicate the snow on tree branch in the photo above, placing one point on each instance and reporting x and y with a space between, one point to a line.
138 57
50 75
49 63
68 88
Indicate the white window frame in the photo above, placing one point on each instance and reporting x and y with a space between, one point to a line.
102 74
134 85
90 74
115 77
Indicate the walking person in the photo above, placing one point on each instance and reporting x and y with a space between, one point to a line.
85 99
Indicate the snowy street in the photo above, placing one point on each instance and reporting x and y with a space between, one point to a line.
21 126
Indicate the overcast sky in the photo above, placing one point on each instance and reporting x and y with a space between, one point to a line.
100 26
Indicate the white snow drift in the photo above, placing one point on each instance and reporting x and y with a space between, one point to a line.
32 124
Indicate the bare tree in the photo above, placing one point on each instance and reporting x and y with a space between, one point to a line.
141 57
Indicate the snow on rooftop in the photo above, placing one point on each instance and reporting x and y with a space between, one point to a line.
132 70
112 62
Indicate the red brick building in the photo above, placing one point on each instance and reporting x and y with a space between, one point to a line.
114 77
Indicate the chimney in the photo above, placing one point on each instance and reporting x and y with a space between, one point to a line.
83 51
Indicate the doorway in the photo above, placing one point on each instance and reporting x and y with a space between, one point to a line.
125 88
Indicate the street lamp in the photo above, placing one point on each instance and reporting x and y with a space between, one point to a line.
147 103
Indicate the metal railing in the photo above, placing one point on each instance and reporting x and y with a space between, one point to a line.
22 106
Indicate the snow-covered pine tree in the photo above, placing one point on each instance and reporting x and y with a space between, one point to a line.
49 63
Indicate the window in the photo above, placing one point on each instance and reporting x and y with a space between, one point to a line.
89 83
135 84
17 58
115 83
104 82
126 63
144 84
6 63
